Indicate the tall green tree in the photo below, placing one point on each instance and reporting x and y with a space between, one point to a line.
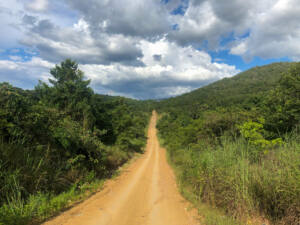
70 92
69 84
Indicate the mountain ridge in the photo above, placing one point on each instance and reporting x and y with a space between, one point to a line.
241 88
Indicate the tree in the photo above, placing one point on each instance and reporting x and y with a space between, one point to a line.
283 104
67 72
70 92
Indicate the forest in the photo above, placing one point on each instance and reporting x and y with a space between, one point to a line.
60 140
234 144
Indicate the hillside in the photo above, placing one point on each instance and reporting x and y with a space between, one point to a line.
235 144
241 89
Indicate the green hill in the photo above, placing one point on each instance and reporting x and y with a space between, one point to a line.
235 144
241 89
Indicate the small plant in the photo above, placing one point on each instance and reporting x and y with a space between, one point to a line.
253 133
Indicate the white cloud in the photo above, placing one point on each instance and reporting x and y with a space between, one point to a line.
130 48
239 48
179 70
9 18
25 74
37 5
210 21
15 58
275 33
56 43
143 18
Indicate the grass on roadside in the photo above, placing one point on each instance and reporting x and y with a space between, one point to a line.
232 178
208 214
41 206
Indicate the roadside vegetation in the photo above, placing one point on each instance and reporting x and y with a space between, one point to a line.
60 140
239 152
234 144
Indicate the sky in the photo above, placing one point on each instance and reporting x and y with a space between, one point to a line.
145 49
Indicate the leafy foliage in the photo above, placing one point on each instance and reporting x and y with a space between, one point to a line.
283 103
57 137
253 133
230 142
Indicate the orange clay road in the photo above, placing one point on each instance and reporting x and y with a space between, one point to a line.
144 194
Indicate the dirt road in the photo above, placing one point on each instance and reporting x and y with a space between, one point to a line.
144 194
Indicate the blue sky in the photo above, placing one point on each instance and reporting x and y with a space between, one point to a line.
147 48
240 63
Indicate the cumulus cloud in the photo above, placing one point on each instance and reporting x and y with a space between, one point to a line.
180 69
56 43
24 74
9 18
146 48
143 18
210 21
267 29
37 5
275 33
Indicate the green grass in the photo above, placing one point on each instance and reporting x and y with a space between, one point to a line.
240 182
41 206
208 214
